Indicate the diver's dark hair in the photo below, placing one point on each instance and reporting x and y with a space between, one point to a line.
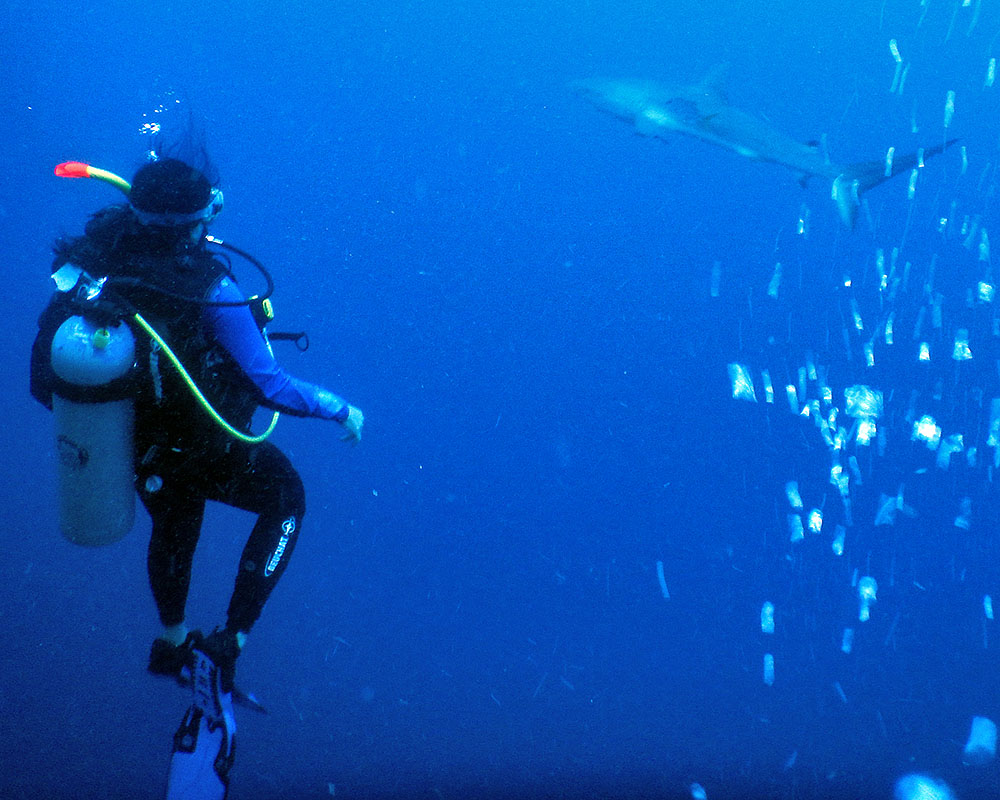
170 186
114 232
188 145
179 177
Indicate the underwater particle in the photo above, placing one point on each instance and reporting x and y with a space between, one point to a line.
859 324
964 518
894 87
981 747
765 377
838 540
926 430
793 398
949 445
803 226
716 279
867 591
775 283
769 669
767 618
862 402
661 578
886 514
815 521
921 787
792 493
796 533
993 438
742 383
961 351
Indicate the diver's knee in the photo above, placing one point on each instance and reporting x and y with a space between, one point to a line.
294 495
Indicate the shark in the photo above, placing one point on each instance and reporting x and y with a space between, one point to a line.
702 111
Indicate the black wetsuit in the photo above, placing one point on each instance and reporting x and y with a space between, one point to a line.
254 477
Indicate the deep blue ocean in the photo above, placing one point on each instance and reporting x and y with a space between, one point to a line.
518 290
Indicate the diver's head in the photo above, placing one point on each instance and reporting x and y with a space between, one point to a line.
168 194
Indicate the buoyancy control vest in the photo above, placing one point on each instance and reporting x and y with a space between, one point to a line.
164 279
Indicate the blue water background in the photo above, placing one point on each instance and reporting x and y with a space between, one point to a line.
515 289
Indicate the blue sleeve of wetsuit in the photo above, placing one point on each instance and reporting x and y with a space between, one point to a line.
236 330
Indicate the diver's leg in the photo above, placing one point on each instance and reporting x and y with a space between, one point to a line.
269 486
258 478
171 552
177 511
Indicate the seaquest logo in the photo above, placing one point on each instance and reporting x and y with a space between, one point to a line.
287 529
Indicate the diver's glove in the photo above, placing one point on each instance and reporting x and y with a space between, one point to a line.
351 418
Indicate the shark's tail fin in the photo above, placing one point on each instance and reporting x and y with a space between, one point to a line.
856 179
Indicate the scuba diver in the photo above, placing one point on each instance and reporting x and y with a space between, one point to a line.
150 259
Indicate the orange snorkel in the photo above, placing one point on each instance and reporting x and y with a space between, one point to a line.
77 169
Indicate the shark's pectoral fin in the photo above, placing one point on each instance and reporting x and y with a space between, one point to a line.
804 180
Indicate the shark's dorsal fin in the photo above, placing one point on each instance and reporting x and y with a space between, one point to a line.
716 80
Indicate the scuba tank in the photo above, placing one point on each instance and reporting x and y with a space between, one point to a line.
93 409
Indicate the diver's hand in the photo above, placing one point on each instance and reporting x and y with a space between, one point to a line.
352 425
